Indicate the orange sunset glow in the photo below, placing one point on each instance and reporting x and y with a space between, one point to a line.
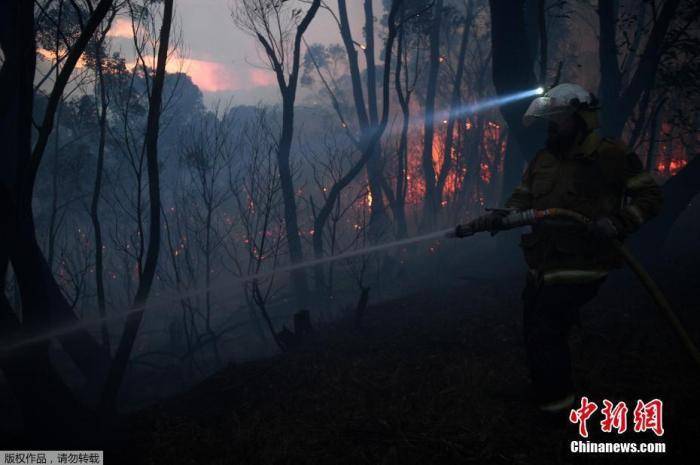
208 75
121 28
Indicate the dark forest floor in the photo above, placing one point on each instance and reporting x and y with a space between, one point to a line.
433 378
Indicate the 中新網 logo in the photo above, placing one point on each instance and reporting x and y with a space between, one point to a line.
646 416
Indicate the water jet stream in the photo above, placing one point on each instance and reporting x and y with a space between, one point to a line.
63 330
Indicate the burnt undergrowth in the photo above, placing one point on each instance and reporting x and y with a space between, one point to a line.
434 377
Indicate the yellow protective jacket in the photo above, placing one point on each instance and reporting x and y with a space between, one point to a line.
598 177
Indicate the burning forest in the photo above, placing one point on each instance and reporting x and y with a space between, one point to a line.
213 208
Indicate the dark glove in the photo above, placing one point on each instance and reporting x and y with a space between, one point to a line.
461 230
606 227
491 221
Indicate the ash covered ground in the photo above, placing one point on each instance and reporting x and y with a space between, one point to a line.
436 377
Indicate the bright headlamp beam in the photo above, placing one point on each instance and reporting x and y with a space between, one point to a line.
496 102
442 117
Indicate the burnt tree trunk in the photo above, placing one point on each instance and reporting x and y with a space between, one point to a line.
378 220
430 202
133 320
367 114
289 196
398 203
44 309
367 140
288 89
619 101
512 72
678 193
456 101
96 191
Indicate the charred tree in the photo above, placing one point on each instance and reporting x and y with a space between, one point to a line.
430 206
398 194
455 102
512 72
617 99
133 321
620 96
44 306
257 18
367 113
366 143
102 104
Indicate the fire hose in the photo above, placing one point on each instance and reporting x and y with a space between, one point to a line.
530 217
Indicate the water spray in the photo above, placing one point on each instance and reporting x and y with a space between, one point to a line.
84 324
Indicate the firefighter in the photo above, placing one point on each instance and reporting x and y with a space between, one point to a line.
597 177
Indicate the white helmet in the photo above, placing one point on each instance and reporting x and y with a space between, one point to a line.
559 101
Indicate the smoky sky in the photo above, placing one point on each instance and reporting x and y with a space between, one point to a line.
225 62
